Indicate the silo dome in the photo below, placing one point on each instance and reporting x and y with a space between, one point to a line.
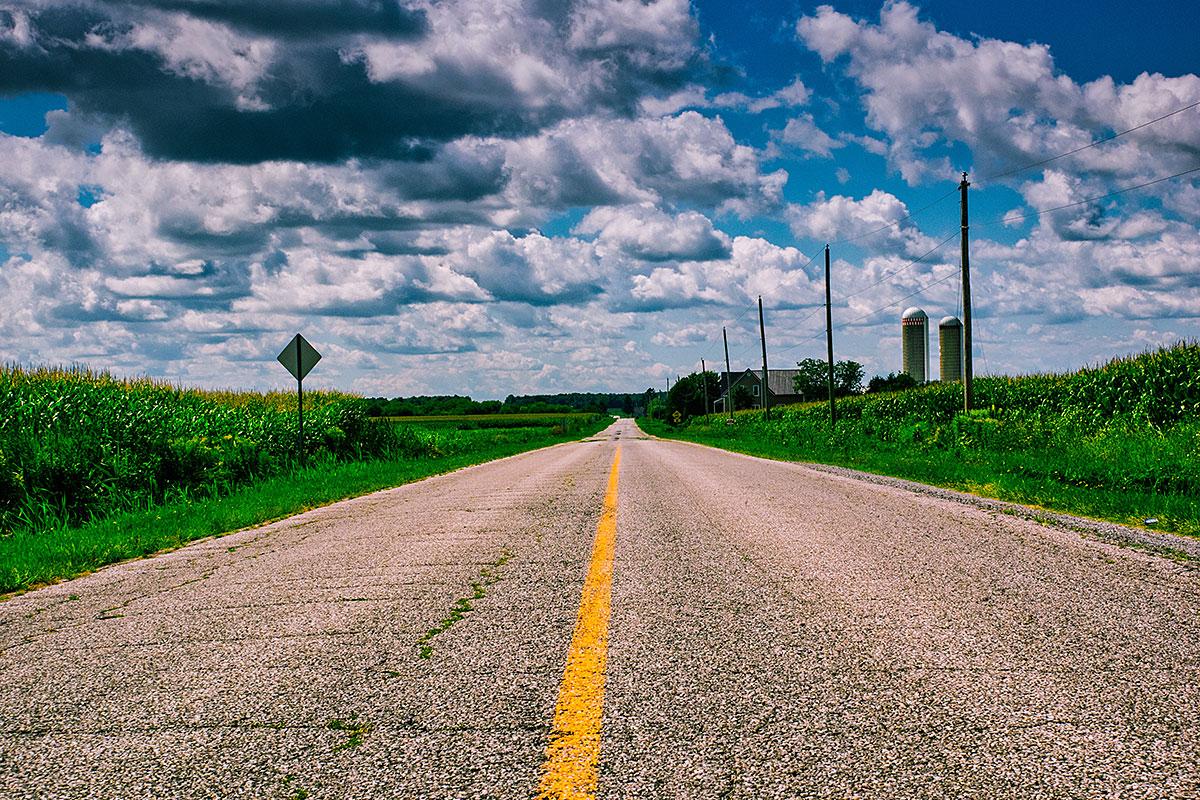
950 322
914 313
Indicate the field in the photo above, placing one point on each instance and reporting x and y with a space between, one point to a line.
467 421
76 445
1118 442
94 469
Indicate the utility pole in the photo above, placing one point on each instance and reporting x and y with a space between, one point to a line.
968 368
704 380
728 377
829 340
762 335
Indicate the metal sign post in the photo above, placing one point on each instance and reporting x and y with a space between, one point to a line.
298 358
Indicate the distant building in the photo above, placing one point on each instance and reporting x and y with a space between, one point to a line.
780 385
914 341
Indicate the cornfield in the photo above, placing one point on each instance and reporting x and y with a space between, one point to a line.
77 444
1158 389
1132 425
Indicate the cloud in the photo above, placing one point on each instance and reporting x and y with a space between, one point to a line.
308 18
926 88
317 81
792 95
646 233
881 215
802 132
755 267
686 159
380 174
686 336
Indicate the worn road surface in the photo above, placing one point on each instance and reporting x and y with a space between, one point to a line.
691 624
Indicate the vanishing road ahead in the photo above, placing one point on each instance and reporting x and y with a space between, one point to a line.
663 619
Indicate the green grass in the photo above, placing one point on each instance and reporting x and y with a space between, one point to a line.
32 557
353 728
1119 442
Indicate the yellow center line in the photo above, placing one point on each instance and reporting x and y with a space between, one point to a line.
573 755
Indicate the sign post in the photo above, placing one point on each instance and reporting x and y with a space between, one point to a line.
298 358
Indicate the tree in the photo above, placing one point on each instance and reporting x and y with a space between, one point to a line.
894 382
847 378
812 381
656 406
687 395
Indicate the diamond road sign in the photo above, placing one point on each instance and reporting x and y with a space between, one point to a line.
299 357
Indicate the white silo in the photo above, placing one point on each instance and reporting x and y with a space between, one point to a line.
950 349
914 333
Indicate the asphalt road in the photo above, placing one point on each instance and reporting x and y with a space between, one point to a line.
751 629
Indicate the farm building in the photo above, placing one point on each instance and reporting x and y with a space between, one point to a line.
779 385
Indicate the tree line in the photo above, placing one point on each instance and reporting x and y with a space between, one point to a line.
686 399
457 405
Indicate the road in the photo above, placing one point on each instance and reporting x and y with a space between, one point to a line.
689 623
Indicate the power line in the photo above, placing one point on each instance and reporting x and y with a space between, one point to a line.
1015 217
747 349
777 284
1117 135
804 341
1002 220
920 290
907 266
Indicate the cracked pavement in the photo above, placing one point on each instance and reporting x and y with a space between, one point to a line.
776 631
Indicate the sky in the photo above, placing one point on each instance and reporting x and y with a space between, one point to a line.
495 197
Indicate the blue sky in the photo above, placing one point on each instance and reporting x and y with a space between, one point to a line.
493 198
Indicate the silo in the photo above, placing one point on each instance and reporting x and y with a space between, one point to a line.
914 332
950 332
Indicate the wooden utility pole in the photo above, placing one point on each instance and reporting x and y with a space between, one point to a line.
762 335
704 380
728 377
968 367
829 340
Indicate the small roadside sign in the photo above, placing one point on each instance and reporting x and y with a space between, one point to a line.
299 357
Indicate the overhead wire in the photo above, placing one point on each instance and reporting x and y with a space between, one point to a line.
1007 218
898 301
1117 135
907 266
745 350
916 260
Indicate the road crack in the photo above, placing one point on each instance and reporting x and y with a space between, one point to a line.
489 575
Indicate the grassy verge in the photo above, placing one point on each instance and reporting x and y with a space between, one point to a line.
29 558
1049 476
